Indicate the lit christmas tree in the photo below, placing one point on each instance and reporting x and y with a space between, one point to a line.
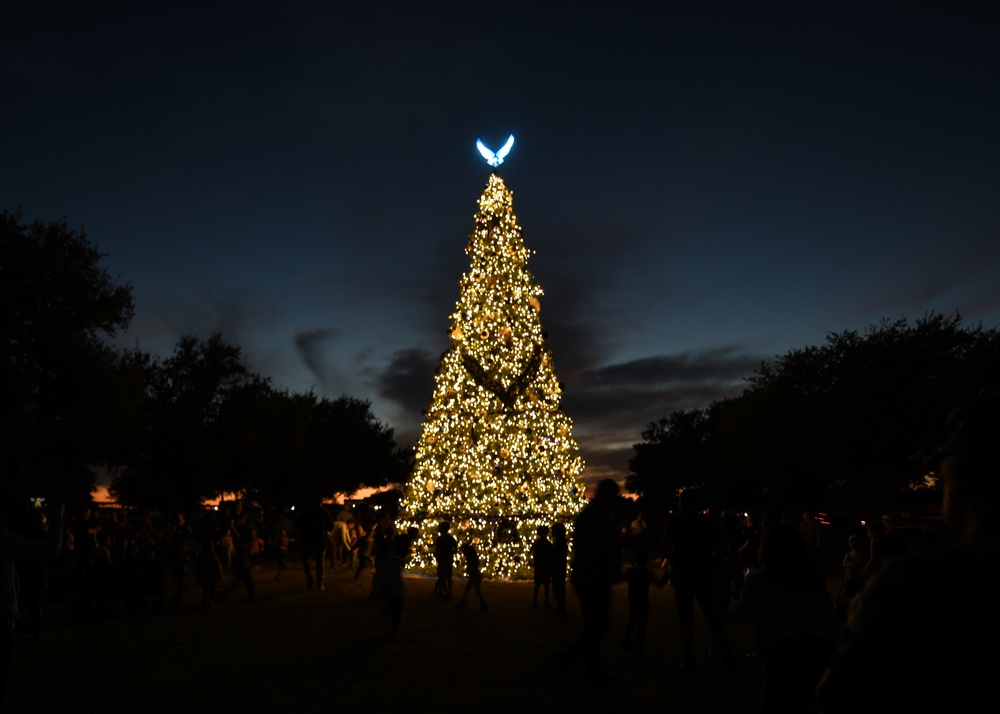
496 456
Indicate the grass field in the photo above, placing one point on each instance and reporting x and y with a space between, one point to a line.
309 650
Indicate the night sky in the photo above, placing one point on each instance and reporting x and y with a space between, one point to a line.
705 185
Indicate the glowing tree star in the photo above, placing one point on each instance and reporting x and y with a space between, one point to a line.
496 455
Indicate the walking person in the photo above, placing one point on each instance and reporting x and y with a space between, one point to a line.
474 575
314 524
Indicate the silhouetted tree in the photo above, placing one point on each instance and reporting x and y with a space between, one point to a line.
208 425
858 419
673 455
852 424
284 447
177 464
58 376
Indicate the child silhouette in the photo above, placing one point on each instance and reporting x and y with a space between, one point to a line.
474 575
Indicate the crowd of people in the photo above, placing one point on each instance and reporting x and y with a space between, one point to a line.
903 643
815 654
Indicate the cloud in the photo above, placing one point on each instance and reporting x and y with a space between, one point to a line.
955 277
611 404
628 395
311 346
162 319
408 380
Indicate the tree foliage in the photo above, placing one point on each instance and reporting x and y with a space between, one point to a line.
172 431
57 372
853 423
673 455
211 426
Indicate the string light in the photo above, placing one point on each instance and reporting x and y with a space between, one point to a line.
496 455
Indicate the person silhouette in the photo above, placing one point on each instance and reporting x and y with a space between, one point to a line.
14 548
692 544
208 572
315 522
474 575
638 577
560 558
596 567
854 560
796 619
541 565
445 547
390 576
934 605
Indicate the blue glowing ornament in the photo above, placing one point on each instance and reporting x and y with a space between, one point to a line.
497 158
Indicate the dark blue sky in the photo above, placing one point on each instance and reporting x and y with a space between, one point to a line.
705 185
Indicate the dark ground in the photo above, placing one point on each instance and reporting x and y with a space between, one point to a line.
309 650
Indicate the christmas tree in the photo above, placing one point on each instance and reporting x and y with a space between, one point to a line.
496 456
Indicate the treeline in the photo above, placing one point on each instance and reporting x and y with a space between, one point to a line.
852 426
170 431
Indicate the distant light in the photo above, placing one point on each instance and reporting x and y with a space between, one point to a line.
497 158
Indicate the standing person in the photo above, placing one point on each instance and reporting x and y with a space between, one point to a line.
474 575
384 534
692 542
877 554
796 620
390 576
33 577
178 536
208 572
560 563
314 524
241 563
541 564
638 577
854 561
228 547
256 549
340 537
281 543
636 536
445 547
809 528
638 527
596 567
14 548
366 547
939 601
